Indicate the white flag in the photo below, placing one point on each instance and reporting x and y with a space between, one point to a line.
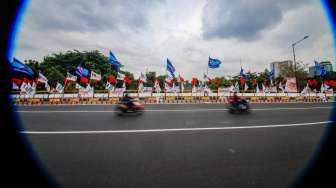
46 85
168 78
95 76
257 89
59 88
124 86
143 77
263 88
182 87
71 77
141 87
246 87
194 89
14 86
120 76
157 87
42 78
109 86
207 89
280 86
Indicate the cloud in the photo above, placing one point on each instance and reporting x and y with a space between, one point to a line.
143 33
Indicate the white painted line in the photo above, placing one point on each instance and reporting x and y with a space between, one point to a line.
173 130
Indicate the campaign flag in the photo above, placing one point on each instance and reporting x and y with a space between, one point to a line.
180 79
206 78
46 85
320 69
213 63
128 81
113 80
157 86
109 86
16 81
81 71
182 87
257 88
194 80
280 86
143 77
242 73
167 87
23 88
141 87
168 78
194 89
41 79
170 68
14 86
115 62
217 80
59 88
120 76
263 88
242 80
71 77
95 76
207 89
254 81
124 85
18 66
272 74
84 79
30 89
246 87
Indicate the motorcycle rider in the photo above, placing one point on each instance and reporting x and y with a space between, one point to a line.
128 101
236 100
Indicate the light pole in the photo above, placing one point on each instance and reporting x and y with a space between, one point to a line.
297 84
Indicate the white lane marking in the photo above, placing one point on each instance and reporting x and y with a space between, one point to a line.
191 110
173 130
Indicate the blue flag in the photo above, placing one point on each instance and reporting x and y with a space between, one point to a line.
114 61
18 66
214 63
81 71
242 73
272 74
170 68
320 69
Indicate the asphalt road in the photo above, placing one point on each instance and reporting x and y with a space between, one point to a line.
176 145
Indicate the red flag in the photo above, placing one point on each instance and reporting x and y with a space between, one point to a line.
84 80
310 83
265 81
128 80
194 80
242 80
254 81
16 81
217 80
315 82
156 80
140 81
181 79
230 80
67 82
170 83
113 80
26 80
333 83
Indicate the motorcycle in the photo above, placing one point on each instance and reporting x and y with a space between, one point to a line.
243 106
123 108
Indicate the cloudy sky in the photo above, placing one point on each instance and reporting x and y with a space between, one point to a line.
144 33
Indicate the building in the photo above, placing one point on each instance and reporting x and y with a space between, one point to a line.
278 66
325 64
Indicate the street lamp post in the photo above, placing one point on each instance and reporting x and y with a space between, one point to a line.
297 84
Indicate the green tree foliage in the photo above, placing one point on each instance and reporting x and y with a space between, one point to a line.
56 66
